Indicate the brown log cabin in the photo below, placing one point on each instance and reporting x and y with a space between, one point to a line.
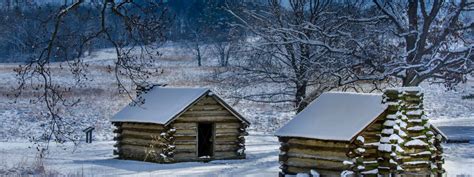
363 134
168 125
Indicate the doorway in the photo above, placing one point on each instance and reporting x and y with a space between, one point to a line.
205 139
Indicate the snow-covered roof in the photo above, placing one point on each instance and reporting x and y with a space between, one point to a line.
335 116
163 104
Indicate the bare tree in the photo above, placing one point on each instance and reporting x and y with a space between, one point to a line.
197 44
417 41
298 47
133 29
226 47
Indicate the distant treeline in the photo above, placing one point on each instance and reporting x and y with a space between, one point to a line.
25 31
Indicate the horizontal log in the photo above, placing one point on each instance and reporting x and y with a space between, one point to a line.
154 131
142 126
185 147
138 142
210 118
312 163
207 104
142 135
185 133
232 125
184 125
317 143
335 153
227 130
416 166
185 142
224 148
133 149
185 156
141 156
322 172
227 138
415 159
185 151
184 138
321 148
226 143
316 157
370 153
207 101
415 149
212 107
228 134
206 113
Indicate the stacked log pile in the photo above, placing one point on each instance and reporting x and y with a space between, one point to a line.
421 153
404 140
437 157
241 140
371 137
393 134
357 165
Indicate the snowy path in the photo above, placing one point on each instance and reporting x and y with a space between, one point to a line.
96 160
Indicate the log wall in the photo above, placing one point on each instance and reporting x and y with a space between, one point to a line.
140 141
228 131
177 142
300 155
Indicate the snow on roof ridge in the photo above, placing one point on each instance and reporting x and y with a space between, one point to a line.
353 93
409 88
174 87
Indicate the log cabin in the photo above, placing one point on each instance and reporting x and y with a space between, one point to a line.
363 135
170 125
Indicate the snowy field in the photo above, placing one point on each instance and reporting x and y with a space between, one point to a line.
19 122
96 160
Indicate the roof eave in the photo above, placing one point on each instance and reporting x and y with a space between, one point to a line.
321 139
437 130
368 125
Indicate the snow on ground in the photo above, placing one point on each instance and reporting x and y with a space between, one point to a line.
459 159
96 159
20 120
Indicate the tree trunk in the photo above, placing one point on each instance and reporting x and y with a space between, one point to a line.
198 55
300 96
222 55
411 79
